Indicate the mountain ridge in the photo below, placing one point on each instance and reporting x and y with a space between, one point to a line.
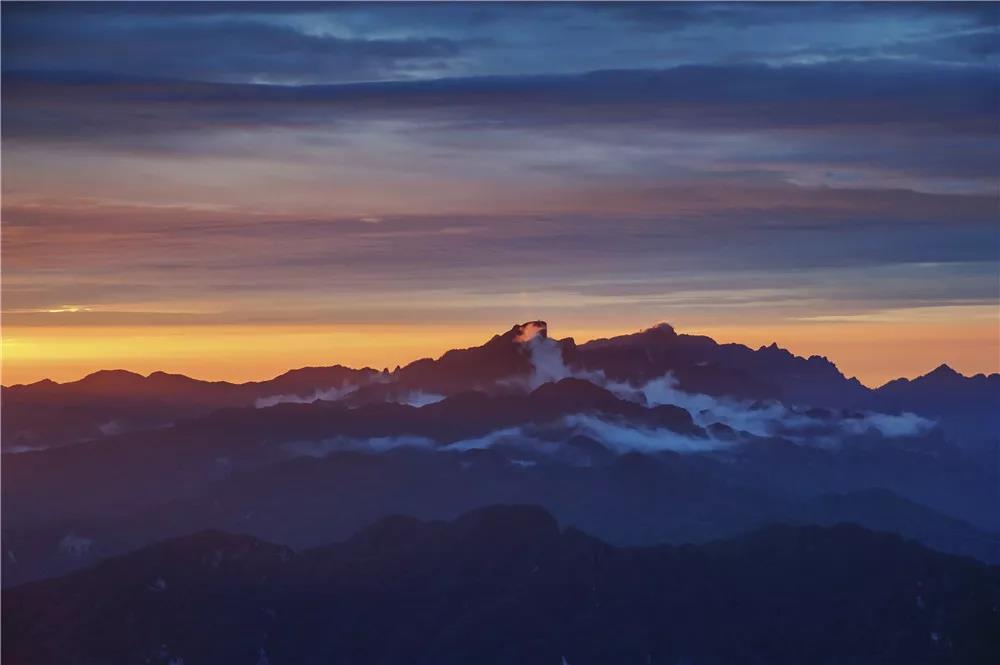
46 413
650 437
507 583
596 342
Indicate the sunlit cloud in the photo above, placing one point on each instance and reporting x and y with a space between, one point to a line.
937 314
722 167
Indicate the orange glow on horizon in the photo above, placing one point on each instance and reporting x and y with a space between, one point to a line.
879 352
873 351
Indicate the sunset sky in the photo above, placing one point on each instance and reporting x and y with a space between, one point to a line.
230 190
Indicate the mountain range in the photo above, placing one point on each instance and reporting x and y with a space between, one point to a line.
505 584
46 413
682 457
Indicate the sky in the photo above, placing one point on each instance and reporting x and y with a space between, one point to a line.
229 190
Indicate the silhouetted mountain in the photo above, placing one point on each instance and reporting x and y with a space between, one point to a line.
703 366
883 510
107 402
314 454
60 521
505 584
166 463
969 406
505 358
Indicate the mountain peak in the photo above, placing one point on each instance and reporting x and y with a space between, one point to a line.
942 370
528 331
663 328
110 377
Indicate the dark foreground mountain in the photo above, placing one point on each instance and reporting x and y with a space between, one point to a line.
505 585
628 500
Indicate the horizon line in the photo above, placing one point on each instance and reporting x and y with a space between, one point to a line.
660 325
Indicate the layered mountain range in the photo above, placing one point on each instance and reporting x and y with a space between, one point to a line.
647 441
45 413
506 584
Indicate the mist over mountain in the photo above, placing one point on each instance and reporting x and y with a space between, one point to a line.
46 413
643 440
305 199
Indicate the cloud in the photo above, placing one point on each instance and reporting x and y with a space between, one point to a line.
758 420
417 398
762 419
912 101
327 394
703 142
234 49
660 16
624 437
620 437
546 361
773 418
889 425
343 41
812 427
324 447
518 436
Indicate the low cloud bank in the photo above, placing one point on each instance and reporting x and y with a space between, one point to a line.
513 435
328 394
379 444
756 418
624 437
760 419
545 440
889 425
415 398
621 437
774 418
